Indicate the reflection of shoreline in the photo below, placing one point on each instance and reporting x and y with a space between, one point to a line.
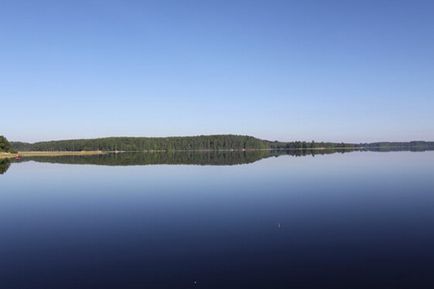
4 155
4 165
28 154
93 153
211 158
155 158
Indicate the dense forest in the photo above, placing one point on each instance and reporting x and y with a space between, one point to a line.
209 143
5 146
398 146
310 145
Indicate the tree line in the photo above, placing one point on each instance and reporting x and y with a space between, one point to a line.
211 142
197 143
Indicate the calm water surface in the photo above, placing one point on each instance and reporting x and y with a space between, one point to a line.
353 220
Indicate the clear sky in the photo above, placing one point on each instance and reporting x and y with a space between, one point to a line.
325 70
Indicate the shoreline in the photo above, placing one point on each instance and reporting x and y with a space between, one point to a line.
7 155
49 154
4 155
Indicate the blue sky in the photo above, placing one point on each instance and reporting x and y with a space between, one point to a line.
325 70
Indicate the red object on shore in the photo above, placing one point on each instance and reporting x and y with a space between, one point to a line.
18 157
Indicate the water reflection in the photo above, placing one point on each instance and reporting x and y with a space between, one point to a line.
214 158
356 220
4 165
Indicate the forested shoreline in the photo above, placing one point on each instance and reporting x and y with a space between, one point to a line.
211 142
206 143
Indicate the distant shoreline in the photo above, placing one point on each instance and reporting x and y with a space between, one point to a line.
4 155
8 155
223 142
49 154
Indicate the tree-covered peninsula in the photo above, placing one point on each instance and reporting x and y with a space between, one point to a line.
204 143
210 142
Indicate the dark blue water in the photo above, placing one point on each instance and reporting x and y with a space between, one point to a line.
354 220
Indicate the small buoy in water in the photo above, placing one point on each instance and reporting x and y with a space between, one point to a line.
278 225
195 282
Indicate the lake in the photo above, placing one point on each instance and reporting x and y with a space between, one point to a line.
219 220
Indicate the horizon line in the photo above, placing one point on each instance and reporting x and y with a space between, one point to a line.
223 134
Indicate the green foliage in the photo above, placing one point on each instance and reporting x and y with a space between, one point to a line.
206 143
311 145
5 146
21 146
399 146
212 142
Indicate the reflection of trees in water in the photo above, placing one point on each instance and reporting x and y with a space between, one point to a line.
187 158
155 158
215 158
4 165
